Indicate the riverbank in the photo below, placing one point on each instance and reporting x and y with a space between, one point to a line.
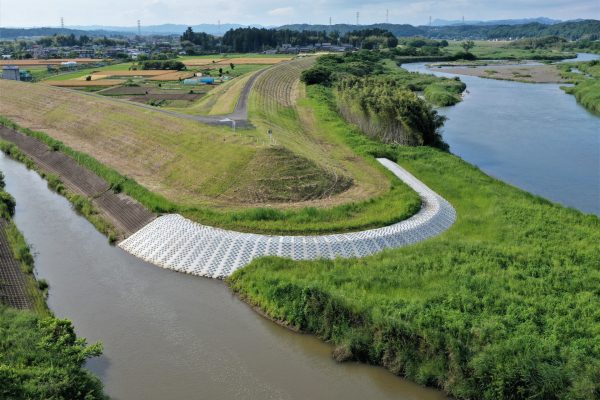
41 357
484 310
586 79
114 214
169 335
18 287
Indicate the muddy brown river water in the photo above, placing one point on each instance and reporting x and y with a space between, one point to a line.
168 335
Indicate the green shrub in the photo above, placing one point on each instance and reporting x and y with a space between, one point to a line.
42 358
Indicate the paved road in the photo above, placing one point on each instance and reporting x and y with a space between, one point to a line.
176 243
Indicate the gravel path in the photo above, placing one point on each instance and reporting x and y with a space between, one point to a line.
176 243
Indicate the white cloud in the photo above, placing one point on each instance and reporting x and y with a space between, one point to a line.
281 12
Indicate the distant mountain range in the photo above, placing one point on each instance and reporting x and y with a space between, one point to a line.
571 30
164 29
522 21
501 29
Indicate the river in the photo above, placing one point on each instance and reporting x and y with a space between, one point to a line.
533 136
168 335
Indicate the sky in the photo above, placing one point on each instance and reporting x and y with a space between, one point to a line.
277 12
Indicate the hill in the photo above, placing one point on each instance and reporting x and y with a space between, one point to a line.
541 20
571 30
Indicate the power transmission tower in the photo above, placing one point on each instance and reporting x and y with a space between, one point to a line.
430 20
220 37
387 16
139 23
62 23
330 22
463 20
357 17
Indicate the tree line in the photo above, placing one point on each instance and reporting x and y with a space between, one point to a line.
383 104
248 40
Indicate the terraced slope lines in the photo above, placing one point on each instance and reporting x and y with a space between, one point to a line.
177 243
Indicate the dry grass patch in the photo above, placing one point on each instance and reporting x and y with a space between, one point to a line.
53 61
84 83
173 76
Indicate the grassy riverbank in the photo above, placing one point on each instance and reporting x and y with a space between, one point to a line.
81 204
40 355
503 305
586 87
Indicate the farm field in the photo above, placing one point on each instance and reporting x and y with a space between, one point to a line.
161 88
50 61
218 100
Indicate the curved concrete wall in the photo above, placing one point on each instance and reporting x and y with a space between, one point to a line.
174 242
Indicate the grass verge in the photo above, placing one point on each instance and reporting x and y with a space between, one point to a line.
505 304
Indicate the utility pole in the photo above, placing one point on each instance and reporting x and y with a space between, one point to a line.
357 17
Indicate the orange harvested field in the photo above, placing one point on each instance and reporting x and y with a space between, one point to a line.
173 76
207 62
146 72
254 60
54 61
201 62
84 83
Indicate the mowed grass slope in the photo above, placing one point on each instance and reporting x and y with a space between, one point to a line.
305 125
326 184
171 156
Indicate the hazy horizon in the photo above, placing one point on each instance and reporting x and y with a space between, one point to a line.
268 12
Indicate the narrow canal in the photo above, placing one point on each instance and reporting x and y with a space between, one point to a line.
167 335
